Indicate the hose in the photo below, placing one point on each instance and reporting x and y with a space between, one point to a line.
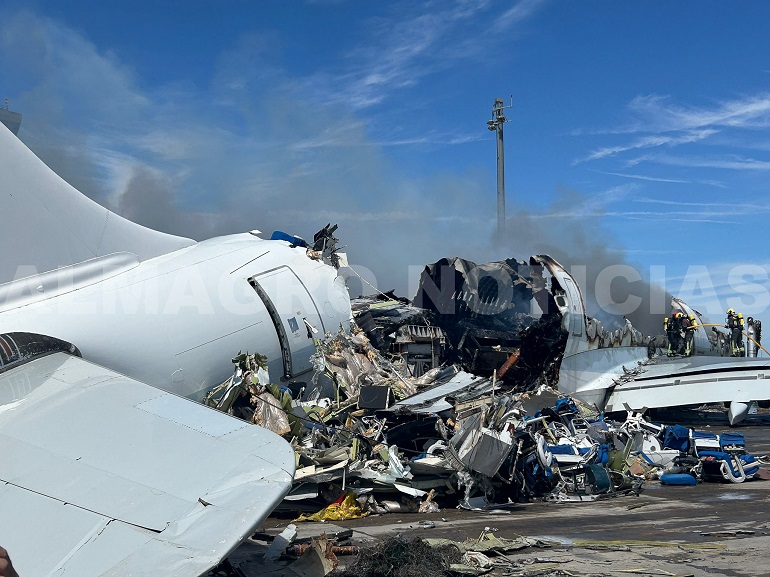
747 336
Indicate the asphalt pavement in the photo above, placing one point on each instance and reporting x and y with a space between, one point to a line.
707 529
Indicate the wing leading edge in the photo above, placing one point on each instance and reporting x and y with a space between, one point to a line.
104 475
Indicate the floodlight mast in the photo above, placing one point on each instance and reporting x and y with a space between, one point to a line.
496 124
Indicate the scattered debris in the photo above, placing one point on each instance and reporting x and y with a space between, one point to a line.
318 560
399 556
402 556
450 401
281 542
387 441
652 544
734 533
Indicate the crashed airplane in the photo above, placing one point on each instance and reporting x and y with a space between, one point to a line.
451 400
490 305
105 328
629 378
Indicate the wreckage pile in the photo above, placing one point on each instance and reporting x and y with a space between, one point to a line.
386 441
452 403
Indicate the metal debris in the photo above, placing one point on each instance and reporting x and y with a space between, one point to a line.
399 556
451 404
465 441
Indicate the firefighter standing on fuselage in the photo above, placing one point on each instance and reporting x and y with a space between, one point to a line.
673 326
734 324
688 329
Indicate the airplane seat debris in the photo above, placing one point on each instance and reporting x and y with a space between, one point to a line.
717 466
544 455
730 442
677 438
726 459
702 441
598 478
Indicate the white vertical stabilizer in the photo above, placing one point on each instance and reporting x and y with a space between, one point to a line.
47 224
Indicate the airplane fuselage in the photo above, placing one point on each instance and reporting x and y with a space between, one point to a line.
176 320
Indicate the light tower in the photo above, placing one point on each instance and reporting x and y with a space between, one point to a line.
498 119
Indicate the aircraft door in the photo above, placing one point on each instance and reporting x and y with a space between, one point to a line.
575 302
295 316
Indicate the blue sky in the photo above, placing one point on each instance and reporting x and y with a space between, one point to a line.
639 132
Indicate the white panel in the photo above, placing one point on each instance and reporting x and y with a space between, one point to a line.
294 306
30 520
197 418
71 432
71 480
108 547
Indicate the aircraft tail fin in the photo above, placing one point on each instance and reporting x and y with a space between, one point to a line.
48 224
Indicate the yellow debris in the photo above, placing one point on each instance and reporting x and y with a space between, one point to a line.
347 509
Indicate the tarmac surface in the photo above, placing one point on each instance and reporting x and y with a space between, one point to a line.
708 529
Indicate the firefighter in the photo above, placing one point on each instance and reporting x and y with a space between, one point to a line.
668 326
688 328
673 327
734 324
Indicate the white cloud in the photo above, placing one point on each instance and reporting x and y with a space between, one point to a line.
663 123
730 162
743 206
644 177
650 142
658 114
418 40
516 14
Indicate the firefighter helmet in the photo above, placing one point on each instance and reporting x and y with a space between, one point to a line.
730 312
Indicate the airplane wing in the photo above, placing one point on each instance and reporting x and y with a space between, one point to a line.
103 475
678 381
54 225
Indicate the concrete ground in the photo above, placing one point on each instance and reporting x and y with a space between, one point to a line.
706 530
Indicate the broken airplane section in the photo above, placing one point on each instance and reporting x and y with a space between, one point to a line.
125 478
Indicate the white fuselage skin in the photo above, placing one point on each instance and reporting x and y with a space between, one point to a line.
176 320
